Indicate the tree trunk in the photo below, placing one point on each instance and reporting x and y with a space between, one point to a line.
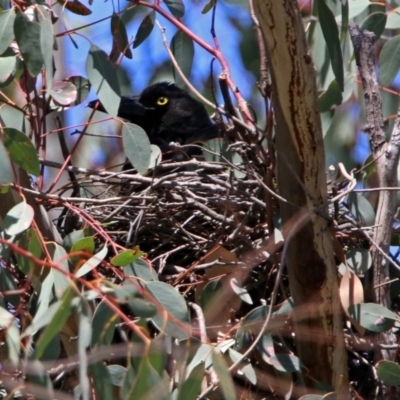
301 177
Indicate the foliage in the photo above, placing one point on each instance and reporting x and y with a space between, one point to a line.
160 284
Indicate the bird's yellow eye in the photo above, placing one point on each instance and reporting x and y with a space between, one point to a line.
162 101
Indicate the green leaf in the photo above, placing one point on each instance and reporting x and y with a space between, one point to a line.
59 257
103 325
141 269
127 291
345 22
27 34
6 174
389 63
46 43
30 241
266 347
331 34
211 294
126 257
13 118
286 362
120 39
388 372
359 261
330 98
224 376
241 292
52 351
245 366
147 384
361 208
182 47
7 18
285 309
144 30
18 219
136 145
42 319
21 150
208 6
8 67
356 7
84 244
393 19
142 308
117 374
45 296
254 319
190 388
156 156
177 323
375 22
57 322
158 353
72 238
176 7
373 317
250 325
101 380
103 77
92 263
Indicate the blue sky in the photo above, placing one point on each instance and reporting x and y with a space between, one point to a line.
148 58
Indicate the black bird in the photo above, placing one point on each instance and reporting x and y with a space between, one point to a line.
168 114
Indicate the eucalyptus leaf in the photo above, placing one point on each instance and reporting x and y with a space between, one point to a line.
137 147
144 30
182 47
103 78
7 18
27 34
389 63
373 317
22 150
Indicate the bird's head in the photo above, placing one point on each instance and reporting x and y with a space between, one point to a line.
165 96
176 116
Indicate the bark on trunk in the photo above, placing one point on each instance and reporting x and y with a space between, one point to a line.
302 182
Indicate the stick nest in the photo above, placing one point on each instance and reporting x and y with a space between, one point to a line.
180 212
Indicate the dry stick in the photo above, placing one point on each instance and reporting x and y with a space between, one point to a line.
379 189
63 199
386 157
265 87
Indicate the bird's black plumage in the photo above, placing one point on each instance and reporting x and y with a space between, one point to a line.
176 116
168 114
